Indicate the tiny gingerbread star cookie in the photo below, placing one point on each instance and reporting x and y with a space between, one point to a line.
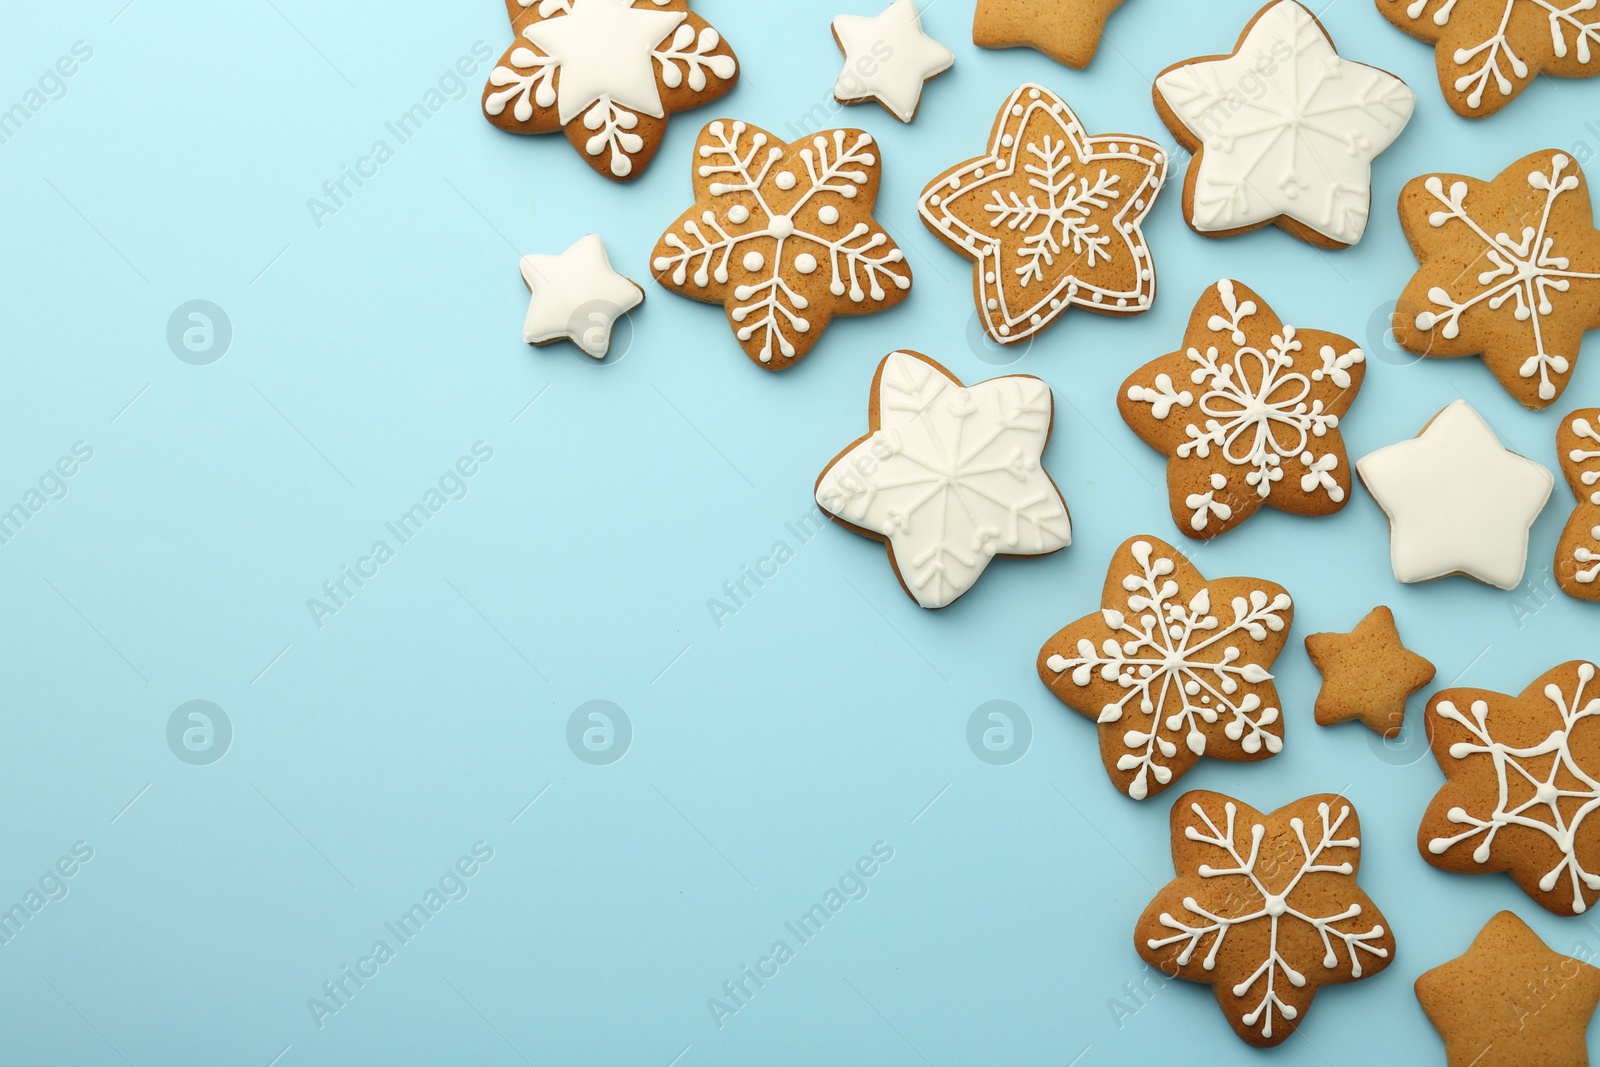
782 236
1068 31
1578 553
1265 909
577 297
1172 667
1284 131
1488 51
887 58
1248 412
949 476
1523 302
607 73
1051 217
1523 775
1510 1001
1458 501
1367 674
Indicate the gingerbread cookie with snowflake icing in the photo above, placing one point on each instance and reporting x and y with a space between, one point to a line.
1173 667
1488 51
1265 909
1524 777
1248 413
1577 566
782 236
1509 270
1050 216
607 73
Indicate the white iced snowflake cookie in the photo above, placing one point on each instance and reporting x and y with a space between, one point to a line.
576 297
949 476
887 58
1284 131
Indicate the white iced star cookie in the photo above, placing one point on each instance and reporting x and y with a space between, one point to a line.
577 297
1284 131
1458 501
949 477
887 58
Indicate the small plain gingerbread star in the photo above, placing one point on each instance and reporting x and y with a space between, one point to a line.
1068 31
1367 674
887 58
576 297
1510 1001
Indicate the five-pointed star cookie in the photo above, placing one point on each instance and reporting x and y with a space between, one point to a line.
1488 51
1510 270
1458 501
576 297
1265 909
608 73
1284 131
1172 667
1578 553
887 58
1248 412
782 236
1051 217
1367 674
1068 31
1523 778
949 476
1510 1001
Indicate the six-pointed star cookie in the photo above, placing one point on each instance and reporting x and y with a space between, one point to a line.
576 297
1051 216
1510 1001
1068 31
1578 553
1488 51
782 236
1248 412
1367 674
1458 501
887 58
608 73
1284 131
949 477
1523 778
1172 667
1265 909
1510 270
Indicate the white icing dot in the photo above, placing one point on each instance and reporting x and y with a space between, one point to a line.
784 180
781 226
738 213
829 214
1007 140
805 263
1033 94
1016 109
754 261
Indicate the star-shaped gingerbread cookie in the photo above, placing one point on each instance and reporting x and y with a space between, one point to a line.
1050 216
1248 413
1068 31
1510 1001
1509 270
1578 553
607 73
1367 674
1172 667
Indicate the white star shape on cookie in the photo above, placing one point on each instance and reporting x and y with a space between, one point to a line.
894 80
1286 128
1458 501
577 297
950 477
604 48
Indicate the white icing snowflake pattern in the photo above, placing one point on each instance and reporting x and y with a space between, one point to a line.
771 213
950 476
1560 791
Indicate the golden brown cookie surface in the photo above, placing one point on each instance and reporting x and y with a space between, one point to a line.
1578 553
1367 674
1068 31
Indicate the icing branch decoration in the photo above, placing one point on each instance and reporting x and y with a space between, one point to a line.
1578 559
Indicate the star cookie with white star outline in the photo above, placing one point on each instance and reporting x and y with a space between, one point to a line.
1050 216
1367 674
949 476
1458 501
887 58
1068 31
1298 152
576 297
607 73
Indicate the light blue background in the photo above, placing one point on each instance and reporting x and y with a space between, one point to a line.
768 754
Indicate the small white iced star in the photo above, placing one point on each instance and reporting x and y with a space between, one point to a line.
577 297
887 58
